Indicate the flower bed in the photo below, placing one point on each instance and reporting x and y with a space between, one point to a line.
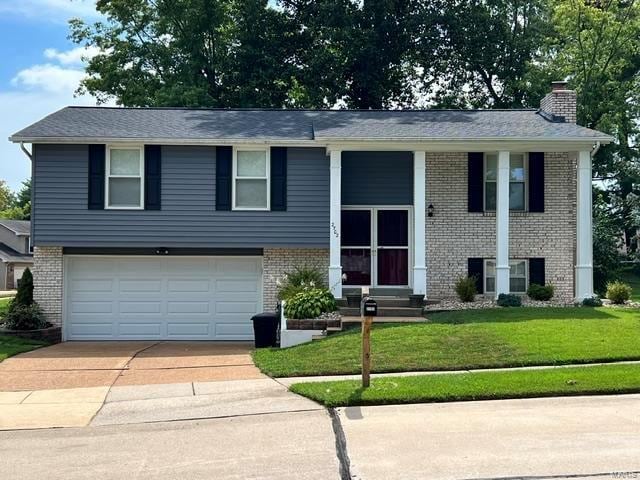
51 334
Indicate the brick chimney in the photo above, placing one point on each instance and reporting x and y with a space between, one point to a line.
559 105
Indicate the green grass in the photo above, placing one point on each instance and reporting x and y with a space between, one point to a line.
12 346
592 380
470 339
628 276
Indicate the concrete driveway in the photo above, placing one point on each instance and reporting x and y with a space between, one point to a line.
106 364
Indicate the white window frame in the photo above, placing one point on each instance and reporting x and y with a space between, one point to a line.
267 178
525 165
108 176
511 262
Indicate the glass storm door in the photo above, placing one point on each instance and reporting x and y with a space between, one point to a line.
392 247
375 246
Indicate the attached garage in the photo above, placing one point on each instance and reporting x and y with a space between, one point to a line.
163 298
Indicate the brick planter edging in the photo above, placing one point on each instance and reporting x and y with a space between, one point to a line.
311 324
50 335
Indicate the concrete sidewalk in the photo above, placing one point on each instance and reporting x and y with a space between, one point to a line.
146 403
542 438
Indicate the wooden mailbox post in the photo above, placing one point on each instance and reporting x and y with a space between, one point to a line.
368 311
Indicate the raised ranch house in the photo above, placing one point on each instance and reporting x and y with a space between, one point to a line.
170 223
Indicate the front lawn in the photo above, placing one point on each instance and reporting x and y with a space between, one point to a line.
4 305
12 346
470 339
629 276
592 380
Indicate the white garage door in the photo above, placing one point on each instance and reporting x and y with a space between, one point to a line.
175 298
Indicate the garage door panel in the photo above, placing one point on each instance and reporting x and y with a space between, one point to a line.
162 298
193 329
237 286
92 330
236 307
140 307
139 285
136 329
180 286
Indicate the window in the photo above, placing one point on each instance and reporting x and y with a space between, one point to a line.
124 177
517 181
517 276
250 179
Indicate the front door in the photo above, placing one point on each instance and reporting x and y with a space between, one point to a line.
375 246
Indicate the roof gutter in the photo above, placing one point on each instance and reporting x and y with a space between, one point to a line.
26 152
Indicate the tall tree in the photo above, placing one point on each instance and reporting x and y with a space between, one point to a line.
598 49
488 53
189 53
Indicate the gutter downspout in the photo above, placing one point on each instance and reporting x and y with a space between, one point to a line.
595 149
26 152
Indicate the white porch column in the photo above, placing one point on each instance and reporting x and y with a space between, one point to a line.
335 210
419 213
584 234
502 224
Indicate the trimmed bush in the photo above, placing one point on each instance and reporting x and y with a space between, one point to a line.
618 292
310 304
540 292
25 317
300 280
466 289
591 302
24 295
509 300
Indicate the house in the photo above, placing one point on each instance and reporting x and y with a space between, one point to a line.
173 223
15 251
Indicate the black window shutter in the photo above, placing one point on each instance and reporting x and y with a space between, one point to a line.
536 271
476 269
152 176
278 179
224 178
475 181
536 182
95 198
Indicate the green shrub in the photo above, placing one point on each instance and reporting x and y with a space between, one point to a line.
300 280
618 292
310 304
24 295
591 302
25 317
509 300
540 292
466 289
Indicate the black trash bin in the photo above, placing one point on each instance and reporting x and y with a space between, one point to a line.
265 329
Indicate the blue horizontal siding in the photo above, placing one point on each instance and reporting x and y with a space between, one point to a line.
377 178
188 217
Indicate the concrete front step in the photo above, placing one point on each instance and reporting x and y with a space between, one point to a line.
384 311
389 302
349 321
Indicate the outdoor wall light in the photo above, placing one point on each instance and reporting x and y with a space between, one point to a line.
430 210
162 251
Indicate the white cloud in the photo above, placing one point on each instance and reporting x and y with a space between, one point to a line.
48 78
37 91
75 56
50 10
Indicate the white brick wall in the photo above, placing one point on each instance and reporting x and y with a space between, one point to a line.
453 234
278 261
48 281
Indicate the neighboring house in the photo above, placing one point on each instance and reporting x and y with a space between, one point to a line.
170 223
15 251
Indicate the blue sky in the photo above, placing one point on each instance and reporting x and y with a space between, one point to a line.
39 71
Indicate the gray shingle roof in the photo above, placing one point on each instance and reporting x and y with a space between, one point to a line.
296 125
19 227
9 255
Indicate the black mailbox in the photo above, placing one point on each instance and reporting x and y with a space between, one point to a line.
370 308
